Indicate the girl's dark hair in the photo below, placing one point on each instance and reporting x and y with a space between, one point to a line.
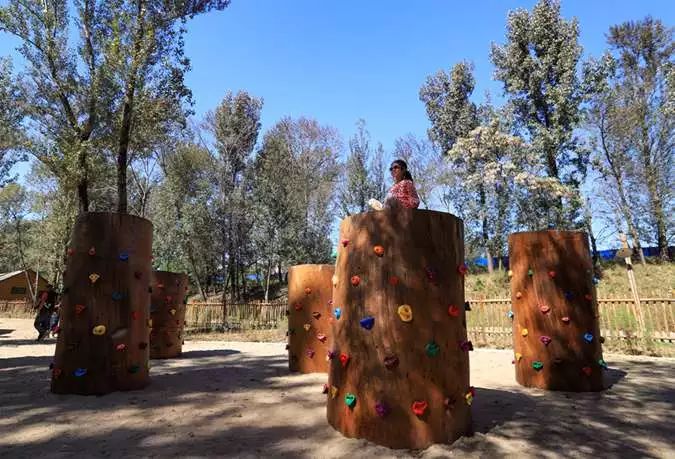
404 168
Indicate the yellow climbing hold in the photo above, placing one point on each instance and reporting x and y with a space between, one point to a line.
150 323
405 313
99 330
524 332
173 312
510 273
333 391
307 327
519 356
335 280
469 398
93 277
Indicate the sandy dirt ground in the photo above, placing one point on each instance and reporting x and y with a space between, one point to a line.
234 399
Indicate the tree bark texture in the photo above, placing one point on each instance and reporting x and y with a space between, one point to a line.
167 311
310 315
556 331
103 343
400 375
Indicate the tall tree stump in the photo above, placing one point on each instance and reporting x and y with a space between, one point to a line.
556 331
103 343
167 311
310 313
400 374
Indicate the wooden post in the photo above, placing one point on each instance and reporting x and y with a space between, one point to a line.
400 372
310 312
167 310
103 342
556 331
625 252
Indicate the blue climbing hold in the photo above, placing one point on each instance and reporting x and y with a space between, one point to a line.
367 322
338 313
509 314
596 281
569 295
80 372
124 256
588 337
116 296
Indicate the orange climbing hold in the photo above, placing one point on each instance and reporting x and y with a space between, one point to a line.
379 250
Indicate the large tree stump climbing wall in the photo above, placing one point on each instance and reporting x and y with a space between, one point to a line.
167 311
103 343
556 334
400 372
310 294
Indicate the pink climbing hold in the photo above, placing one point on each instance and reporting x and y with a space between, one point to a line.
545 339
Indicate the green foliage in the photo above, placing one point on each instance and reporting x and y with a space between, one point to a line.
363 177
538 68
446 97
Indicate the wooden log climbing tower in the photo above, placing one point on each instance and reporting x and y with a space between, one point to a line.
167 311
556 331
103 342
400 372
310 313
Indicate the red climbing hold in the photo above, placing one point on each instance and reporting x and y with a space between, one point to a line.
419 407
356 280
462 269
345 242
71 251
92 251
79 308
121 347
551 274
297 307
135 315
587 370
393 280
379 250
453 310
308 290
344 359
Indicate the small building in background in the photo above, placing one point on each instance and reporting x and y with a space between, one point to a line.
14 285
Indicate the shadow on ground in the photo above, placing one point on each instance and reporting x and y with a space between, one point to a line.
226 402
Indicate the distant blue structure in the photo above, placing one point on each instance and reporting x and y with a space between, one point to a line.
609 254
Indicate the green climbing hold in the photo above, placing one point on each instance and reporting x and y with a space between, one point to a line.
432 349
134 369
350 400
537 365
602 363
530 272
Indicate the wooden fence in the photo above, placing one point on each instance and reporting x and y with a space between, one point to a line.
625 327
648 329
240 316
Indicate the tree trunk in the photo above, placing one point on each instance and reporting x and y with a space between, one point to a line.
554 306
397 360
167 312
307 349
124 133
280 275
267 280
103 344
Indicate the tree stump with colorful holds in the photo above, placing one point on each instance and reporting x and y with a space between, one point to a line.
556 330
103 343
167 312
401 378
310 312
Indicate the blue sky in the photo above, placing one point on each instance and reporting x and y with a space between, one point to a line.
341 61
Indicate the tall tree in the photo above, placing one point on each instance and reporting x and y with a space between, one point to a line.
363 177
486 161
644 83
234 127
538 68
446 96
94 93
612 159
11 117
